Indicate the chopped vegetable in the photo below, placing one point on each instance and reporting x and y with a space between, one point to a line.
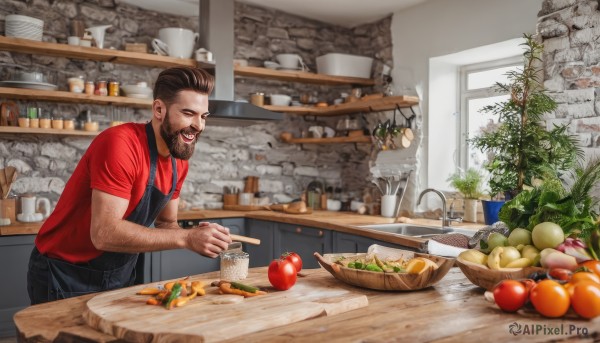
149 291
175 292
225 288
244 287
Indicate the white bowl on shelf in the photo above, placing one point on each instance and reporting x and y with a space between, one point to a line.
280 99
135 91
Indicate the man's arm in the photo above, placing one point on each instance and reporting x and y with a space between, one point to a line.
109 232
167 218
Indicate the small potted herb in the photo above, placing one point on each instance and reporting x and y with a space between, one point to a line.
468 183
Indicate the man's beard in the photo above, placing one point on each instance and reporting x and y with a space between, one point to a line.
177 149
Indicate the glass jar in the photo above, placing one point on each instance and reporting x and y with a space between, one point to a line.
257 99
76 84
89 87
234 265
113 88
101 88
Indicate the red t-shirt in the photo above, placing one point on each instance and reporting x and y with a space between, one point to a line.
117 162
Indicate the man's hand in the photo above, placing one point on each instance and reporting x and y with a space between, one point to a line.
208 239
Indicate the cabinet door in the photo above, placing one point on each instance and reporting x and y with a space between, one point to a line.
348 243
304 241
260 255
14 254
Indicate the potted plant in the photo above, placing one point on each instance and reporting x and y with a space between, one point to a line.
468 183
520 149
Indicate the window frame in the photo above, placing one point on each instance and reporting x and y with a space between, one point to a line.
466 95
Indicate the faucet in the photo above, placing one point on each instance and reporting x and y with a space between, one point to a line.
445 220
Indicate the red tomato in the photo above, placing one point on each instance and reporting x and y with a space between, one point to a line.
528 283
559 274
550 298
510 295
282 274
294 258
585 299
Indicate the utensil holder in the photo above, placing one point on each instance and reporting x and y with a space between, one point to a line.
8 209
230 199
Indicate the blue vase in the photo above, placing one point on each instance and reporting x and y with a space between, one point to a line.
490 210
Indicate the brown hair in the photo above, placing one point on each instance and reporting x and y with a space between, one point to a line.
173 80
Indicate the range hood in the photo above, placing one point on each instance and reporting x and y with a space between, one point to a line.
217 35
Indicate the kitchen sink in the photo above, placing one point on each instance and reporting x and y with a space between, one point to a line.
408 229
417 230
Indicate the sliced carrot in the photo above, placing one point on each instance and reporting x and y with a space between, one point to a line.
149 291
153 301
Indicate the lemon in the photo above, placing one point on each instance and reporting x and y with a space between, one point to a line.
419 264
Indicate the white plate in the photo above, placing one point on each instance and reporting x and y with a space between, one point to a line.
29 85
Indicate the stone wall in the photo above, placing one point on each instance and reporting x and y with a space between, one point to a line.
225 155
570 31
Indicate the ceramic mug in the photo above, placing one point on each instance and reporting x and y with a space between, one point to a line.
179 40
245 199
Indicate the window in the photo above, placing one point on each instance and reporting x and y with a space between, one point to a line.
477 90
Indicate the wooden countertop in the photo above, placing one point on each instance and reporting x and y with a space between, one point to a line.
336 221
454 310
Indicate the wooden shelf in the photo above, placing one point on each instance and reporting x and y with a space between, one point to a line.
94 54
301 76
28 130
332 140
61 96
373 105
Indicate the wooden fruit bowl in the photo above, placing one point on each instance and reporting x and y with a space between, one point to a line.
386 281
487 278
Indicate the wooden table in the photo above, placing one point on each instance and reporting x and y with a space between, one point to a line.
452 310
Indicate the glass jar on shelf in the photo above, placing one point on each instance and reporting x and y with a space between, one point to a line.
101 88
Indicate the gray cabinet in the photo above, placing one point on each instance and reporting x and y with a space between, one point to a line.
260 255
304 241
348 243
14 254
171 264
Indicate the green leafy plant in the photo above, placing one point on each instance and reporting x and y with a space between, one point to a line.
521 150
468 183
572 207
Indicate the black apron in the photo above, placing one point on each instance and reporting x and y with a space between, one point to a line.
110 270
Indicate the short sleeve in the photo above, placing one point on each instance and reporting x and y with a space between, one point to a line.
113 164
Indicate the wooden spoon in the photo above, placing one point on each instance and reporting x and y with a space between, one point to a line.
11 176
245 239
3 185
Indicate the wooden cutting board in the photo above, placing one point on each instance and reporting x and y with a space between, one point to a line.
124 314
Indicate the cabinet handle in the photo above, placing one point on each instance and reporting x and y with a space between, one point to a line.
298 230
320 233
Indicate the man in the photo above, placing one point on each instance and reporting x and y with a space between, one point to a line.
129 178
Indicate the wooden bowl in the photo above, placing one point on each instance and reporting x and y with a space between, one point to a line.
386 281
487 278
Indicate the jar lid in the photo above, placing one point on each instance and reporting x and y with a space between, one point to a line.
233 255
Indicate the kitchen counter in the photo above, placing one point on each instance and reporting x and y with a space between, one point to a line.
336 221
452 310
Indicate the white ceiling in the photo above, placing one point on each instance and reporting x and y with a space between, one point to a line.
347 13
